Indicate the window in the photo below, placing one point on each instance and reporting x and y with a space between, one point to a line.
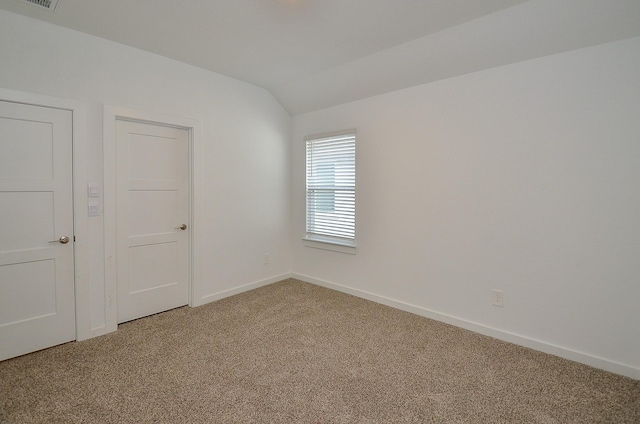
331 189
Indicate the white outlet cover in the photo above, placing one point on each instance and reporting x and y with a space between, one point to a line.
497 298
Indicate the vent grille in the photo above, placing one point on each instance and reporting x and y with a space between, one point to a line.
47 4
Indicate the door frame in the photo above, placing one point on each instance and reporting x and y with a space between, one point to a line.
81 258
193 126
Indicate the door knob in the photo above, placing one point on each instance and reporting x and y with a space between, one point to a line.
63 240
182 227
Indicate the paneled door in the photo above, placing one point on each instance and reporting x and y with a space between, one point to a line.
37 293
152 218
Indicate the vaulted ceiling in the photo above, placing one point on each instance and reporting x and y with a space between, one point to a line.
312 54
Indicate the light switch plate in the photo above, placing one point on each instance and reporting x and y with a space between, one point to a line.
94 209
93 190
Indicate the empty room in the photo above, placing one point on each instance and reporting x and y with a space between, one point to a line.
320 211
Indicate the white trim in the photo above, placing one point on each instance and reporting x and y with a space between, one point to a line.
247 287
319 240
329 134
563 352
110 114
109 218
329 245
80 223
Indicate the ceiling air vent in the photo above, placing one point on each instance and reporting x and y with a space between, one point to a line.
47 4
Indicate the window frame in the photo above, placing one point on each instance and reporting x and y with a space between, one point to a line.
322 241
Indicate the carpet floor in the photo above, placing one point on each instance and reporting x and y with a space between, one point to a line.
292 352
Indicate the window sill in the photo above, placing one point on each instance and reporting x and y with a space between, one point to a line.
331 245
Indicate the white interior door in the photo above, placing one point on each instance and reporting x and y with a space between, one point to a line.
37 294
152 218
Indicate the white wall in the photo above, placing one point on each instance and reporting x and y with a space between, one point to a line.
244 146
523 178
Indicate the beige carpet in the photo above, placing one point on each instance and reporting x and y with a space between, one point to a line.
292 352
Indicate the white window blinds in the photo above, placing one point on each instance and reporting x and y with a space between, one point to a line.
331 188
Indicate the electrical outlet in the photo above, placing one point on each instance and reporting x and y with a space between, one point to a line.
266 260
497 298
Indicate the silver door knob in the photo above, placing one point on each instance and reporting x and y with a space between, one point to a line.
63 240
182 227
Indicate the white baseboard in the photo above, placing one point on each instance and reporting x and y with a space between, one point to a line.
538 345
237 290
